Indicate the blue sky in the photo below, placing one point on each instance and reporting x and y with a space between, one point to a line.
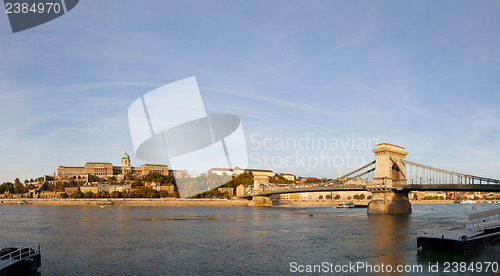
421 74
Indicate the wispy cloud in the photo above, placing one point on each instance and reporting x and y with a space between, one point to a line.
298 106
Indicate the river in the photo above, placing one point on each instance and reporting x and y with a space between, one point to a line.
111 240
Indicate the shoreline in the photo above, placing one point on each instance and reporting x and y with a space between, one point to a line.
188 202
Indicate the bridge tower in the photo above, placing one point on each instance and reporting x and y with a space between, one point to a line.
258 186
386 199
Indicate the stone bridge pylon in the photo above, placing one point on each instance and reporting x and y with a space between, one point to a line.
259 185
388 172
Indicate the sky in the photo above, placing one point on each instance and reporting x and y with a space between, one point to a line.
424 75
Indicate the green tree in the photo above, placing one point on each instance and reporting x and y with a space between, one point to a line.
103 194
18 187
93 178
245 178
163 193
337 196
137 182
320 197
64 195
77 194
116 194
279 179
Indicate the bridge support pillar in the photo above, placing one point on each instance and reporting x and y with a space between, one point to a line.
261 201
389 202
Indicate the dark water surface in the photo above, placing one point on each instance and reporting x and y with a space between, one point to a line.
229 240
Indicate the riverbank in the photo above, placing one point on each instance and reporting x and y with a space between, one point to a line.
128 202
189 202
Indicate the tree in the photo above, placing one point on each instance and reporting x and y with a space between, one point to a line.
278 178
18 188
93 178
103 194
129 176
116 194
137 182
328 197
320 197
89 194
245 178
337 196
64 195
77 194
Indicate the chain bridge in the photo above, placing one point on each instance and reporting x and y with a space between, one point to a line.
390 177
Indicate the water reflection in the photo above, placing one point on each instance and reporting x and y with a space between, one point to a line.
389 239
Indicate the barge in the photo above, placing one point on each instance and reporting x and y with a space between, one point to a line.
18 261
480 229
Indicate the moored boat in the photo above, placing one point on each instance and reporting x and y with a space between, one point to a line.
17 261
481 228
346 205
469 201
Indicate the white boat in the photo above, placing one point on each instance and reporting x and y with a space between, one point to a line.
481 228
346 205
468 201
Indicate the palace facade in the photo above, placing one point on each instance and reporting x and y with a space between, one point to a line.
107 169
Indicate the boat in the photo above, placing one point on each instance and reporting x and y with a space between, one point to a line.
346 205
19 260
468 201
351 205
480 229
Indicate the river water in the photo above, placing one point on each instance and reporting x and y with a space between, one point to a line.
232 240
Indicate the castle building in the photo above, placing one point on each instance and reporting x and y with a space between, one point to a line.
107 169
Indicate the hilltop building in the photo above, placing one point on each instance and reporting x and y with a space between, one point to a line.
107 169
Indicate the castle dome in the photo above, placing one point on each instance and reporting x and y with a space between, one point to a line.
125 156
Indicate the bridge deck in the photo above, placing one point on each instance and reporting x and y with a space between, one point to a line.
399 187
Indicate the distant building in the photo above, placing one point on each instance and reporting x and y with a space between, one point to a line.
97 188
237 170
70 190
221 171
158 187
288 176
230 191
228 171
243 189
257 172
107 169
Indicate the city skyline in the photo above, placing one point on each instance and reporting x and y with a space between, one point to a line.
403 73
